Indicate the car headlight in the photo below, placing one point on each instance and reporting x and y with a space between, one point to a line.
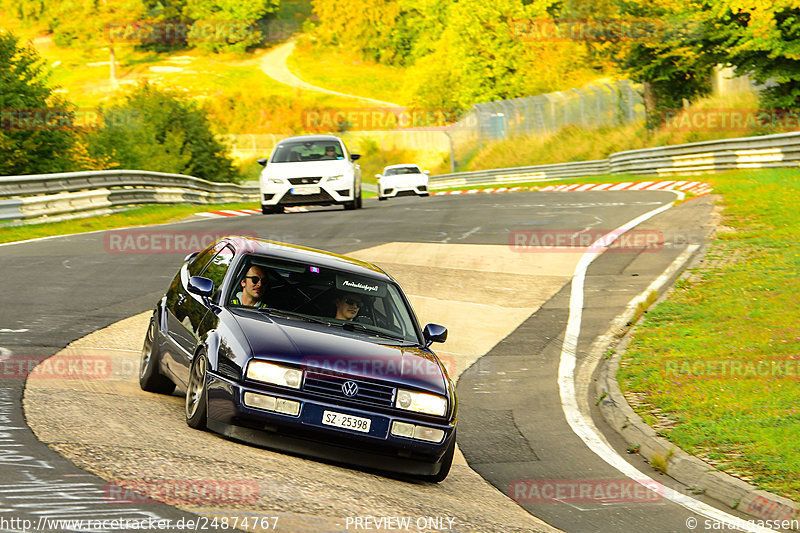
334 178
421 402
277 181
274 374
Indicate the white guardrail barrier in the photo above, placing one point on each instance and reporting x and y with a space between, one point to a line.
74 194
79 193
768 151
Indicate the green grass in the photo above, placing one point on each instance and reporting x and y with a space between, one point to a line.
345 72
137 216
738 309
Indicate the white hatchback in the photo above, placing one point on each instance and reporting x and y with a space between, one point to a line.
402 180
310 170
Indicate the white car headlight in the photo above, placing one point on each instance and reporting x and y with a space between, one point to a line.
277 181
421 402
275 374
334 178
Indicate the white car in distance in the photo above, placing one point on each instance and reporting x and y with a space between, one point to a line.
402 180
310 170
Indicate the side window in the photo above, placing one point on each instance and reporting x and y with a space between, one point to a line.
218 266
200 261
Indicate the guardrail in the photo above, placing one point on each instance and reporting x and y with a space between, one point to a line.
73 194
767 151
80 193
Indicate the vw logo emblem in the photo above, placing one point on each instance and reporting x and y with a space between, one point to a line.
350 388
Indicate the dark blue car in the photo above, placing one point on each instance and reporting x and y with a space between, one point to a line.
304 351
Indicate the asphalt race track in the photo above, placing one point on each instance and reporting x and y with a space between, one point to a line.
453 255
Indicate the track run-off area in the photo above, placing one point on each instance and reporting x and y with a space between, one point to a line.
509 274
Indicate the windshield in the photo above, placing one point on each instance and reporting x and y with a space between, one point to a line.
293 152
308 291
402 170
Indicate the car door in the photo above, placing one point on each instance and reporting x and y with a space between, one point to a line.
193 309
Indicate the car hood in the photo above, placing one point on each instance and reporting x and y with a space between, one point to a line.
333 349
308 168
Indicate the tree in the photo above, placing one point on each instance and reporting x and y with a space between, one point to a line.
160 131
763 41
37 133
227 25
670 57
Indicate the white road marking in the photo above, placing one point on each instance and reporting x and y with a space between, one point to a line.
584 427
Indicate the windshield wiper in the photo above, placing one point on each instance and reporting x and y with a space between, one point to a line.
363 327
293 314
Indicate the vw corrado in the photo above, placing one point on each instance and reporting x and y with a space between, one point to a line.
304 351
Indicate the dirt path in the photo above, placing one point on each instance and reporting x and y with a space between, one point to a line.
273 63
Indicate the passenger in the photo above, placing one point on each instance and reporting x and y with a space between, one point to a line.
348 306
254 288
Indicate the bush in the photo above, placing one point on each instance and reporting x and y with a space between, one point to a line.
161 131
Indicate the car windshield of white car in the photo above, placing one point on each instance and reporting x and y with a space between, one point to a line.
294 152
356 303
402 170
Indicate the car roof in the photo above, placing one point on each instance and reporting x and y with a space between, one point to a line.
311 138
282 250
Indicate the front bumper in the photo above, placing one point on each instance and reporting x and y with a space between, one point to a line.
305 434
407 190
332 193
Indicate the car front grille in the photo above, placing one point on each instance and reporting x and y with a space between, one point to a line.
298 199
305 181
331 385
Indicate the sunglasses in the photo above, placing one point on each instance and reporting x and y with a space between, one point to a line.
350 301
256 279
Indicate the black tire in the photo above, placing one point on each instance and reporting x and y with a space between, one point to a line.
359 201
447 462
425 194
382 198
271 209
150 379
350 205
197 393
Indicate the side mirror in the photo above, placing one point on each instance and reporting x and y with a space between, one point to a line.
428 172
354 157
190 257
434 333
262 162
378 176
200 286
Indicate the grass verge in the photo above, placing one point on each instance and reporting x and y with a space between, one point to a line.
719 361
137 216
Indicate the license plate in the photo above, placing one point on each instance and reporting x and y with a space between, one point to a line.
339 420
305 190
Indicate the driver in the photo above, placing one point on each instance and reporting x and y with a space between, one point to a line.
254 287
348 305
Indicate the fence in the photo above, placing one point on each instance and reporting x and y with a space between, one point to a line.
592 106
